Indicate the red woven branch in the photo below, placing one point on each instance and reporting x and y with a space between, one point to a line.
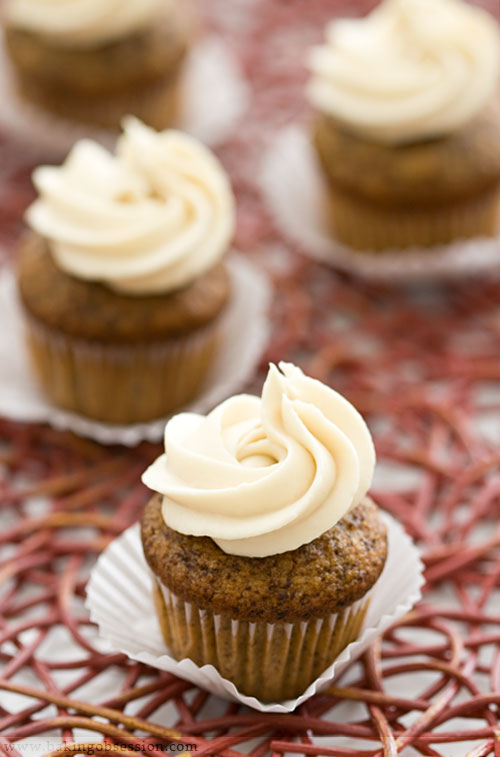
422 364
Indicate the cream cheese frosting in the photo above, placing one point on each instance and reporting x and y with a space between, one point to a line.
149 219
83 22
264 475
411 70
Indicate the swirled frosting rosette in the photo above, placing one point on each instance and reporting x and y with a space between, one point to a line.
410 70
149 219
262 476
83 22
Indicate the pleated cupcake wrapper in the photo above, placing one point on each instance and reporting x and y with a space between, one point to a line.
244 333
213 97
121 601
121 384
158 104
298 196
272 661
364 225
119 353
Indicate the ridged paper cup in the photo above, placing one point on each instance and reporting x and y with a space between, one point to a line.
370 229
271 661
121 383
310 214
265 659
158 104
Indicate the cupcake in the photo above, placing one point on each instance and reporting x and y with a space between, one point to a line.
95 62
408 127
263 545
121 277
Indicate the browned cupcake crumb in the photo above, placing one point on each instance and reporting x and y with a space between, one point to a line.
92 311
313 581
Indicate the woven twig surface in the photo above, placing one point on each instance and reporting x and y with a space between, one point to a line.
422 364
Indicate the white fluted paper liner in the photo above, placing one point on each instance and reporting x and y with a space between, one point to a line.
294 188
120 601
244 334
214 97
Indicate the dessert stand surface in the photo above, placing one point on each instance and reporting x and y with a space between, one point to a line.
422 363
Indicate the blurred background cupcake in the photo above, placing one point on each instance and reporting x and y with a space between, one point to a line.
408 126
262 542
94 61
122 279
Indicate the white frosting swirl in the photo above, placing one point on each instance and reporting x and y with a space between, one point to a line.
150 219
264 476
83 22
411 70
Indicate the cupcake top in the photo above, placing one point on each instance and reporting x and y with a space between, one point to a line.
150 219
319 578
411 70
265 475
83 22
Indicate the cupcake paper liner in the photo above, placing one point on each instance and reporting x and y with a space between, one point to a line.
156 104
266 660
214 97
364 225
145 381
244 331
297 195
121 587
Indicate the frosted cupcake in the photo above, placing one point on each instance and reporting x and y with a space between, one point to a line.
95 61
122 278
408 132
263 544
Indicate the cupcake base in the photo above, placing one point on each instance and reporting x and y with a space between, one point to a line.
244 331
121 383
270 661
158 104
364 226
120 587
296 191
421 193
213 96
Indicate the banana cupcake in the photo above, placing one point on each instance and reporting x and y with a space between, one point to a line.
94 62
408 126
263 544
122 279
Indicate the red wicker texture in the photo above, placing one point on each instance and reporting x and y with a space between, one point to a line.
423 365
